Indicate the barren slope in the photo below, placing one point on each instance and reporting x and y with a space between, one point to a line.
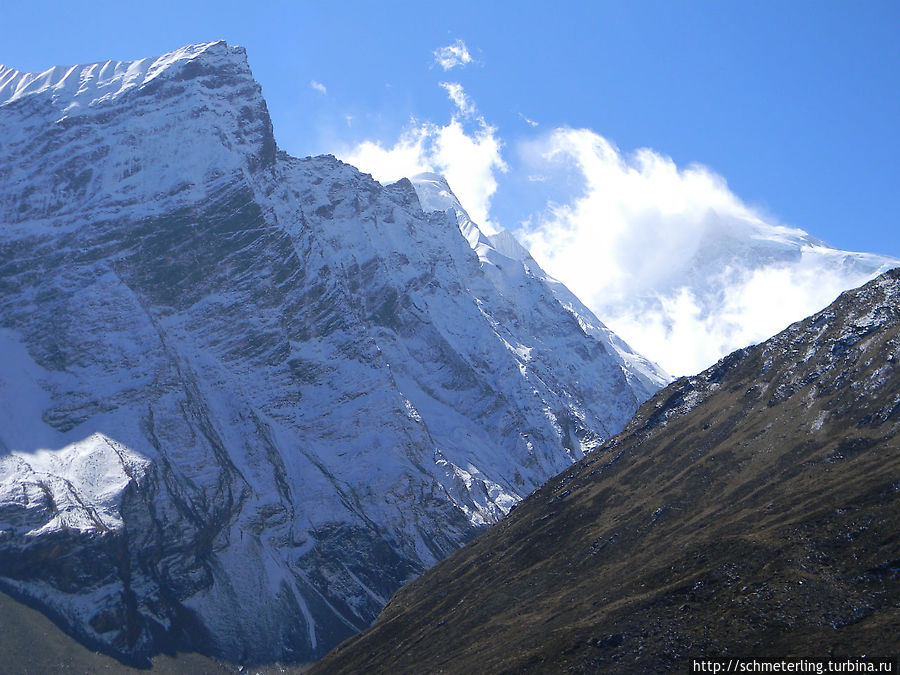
750 510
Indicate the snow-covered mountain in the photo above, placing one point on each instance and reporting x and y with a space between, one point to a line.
243 396
507 262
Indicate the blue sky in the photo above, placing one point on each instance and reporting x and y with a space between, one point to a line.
795 104
779 112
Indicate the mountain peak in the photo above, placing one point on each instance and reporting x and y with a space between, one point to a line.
505 261
95 83
203 95
435 194
431 176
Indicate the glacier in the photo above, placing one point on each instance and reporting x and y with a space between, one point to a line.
245 396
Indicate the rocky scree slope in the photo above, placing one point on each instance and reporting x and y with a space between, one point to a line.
243 396
751 510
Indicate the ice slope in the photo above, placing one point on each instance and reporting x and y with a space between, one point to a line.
246 396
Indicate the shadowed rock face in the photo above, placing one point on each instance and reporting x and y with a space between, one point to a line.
751 510
244 397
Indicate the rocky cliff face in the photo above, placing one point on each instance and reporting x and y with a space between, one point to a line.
748 511
244 397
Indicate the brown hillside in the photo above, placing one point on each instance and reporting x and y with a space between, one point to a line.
751 510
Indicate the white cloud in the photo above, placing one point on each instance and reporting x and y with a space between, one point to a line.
460 99
407 157
467 157
667 257
468 161
671 259
528 121
453 55
318 86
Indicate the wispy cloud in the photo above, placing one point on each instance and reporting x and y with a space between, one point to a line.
452 56
468 159
463 103
667 256
466 151
318 86
671 259
408 156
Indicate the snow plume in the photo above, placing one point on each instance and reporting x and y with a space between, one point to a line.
466 151
671 259
454 55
